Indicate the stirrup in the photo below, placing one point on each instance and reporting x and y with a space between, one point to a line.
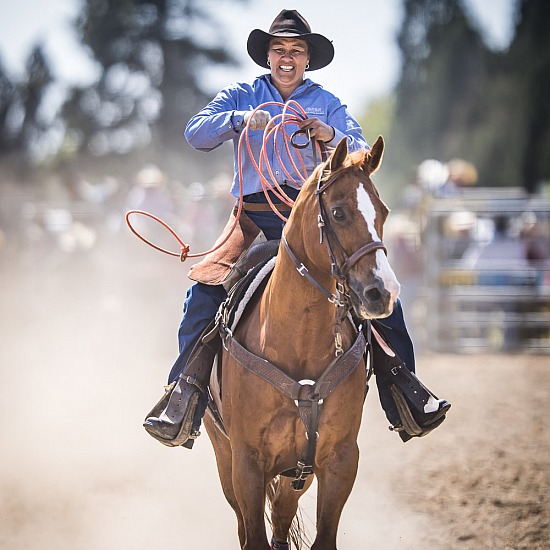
409 426
191 439
408 422
185 435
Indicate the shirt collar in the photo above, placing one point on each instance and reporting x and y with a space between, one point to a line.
302 87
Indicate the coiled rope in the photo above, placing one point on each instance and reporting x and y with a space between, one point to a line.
275 131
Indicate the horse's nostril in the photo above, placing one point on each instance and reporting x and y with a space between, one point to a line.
373 295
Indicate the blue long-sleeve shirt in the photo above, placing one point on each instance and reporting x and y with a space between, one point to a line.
223 119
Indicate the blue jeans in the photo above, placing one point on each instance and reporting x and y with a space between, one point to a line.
203 301
200 307
401 343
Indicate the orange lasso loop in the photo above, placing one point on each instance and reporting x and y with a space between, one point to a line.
184 248
292 113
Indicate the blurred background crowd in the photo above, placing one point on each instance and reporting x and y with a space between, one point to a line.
466 170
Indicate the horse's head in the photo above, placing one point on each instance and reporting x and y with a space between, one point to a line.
352 216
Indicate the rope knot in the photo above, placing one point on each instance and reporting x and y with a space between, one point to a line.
184 251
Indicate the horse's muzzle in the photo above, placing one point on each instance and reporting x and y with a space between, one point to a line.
374 301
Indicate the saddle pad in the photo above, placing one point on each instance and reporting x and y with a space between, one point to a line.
264 272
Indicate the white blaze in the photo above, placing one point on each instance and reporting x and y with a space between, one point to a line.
367 209
384 271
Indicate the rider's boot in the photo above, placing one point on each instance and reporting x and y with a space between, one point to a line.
175 420
419 410
171 421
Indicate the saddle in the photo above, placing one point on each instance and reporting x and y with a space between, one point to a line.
225 265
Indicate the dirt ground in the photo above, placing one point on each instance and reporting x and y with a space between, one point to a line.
87 340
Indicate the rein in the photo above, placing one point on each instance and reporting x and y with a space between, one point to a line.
303 271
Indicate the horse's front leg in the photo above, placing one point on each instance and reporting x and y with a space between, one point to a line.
335 481
284 507
222 450
250 490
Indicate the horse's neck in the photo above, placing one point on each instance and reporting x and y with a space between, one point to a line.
291 293
297 313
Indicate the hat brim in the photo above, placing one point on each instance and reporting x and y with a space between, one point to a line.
321 51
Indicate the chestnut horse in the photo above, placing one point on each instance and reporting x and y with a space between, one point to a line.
300 325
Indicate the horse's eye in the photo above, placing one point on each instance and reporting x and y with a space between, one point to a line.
338 213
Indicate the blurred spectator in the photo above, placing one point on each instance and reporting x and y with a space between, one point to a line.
443 179
533 237
150 193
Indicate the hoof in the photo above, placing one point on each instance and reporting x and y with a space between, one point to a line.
276 545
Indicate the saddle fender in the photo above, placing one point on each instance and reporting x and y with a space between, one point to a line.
217 266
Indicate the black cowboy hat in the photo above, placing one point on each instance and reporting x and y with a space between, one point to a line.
290 24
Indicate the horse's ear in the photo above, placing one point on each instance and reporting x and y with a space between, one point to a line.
373 159
339 155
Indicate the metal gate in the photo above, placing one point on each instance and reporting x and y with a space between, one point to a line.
487 272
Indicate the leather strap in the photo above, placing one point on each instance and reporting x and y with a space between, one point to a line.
331 378
363 251
263 368
308 394
265 207
303 271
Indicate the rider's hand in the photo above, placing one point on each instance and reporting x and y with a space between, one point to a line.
318 129
258 119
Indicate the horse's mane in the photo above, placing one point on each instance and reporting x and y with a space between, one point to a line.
355 159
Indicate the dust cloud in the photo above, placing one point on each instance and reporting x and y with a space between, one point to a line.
87 340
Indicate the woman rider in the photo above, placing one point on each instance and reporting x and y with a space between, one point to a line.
287 50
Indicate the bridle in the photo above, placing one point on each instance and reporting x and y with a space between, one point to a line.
330 238
339 271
